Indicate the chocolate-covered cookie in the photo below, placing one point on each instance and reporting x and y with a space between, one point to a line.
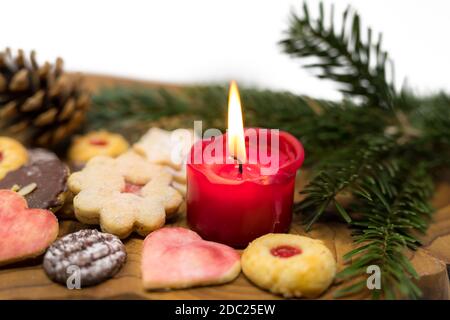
48 176
95 255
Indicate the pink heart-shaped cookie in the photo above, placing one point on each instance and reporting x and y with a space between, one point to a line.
174 258
24 232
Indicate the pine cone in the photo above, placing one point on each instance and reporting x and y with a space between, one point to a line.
40 105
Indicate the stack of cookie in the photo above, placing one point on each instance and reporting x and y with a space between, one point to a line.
32 188
125 190
168 149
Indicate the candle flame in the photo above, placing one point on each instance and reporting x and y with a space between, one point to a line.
236 140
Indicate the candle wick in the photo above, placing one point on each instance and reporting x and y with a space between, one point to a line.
240 168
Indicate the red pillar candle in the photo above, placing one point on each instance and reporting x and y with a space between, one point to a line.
235 203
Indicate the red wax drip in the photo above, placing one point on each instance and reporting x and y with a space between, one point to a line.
98 142
285 251
1 156
132 188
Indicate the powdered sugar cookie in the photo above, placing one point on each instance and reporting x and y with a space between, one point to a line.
168 148
98 256
12 155
123 195
178 175
290 265
180 187
164 147
96 143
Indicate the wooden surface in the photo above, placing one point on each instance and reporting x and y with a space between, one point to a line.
27 280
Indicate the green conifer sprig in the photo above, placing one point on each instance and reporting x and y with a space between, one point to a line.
389 209
322 126
387 226
345 55
349 169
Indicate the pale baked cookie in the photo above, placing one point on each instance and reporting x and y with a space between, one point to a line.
13 155
170 149
180 187
178 175
96 143
175 258
289 265
124 194
164 147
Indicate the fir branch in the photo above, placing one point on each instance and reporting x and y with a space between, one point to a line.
113 107
392 209
360 66
431 115
322 126
338 127
207 103
386 228
348 170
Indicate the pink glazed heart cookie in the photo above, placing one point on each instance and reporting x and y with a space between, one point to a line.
175 258
24 233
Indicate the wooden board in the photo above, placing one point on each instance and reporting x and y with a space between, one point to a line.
27 280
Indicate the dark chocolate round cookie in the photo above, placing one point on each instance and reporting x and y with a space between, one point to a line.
93 255
47 174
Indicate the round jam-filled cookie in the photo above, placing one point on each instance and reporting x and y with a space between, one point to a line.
97 143
13 155
289 265
47 177
96 256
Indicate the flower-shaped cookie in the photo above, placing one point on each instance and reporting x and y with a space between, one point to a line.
123 195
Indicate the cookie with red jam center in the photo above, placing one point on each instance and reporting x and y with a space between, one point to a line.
289 265
96 143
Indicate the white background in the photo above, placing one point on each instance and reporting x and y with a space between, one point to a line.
217 40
